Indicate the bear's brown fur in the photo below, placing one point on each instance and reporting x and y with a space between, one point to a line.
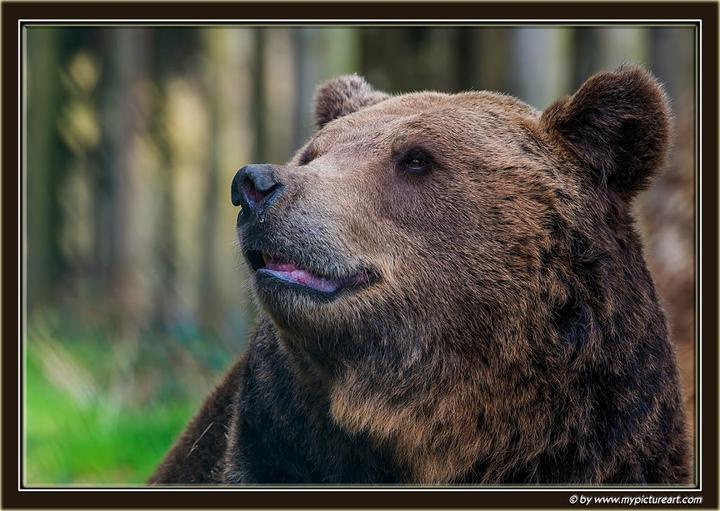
494 319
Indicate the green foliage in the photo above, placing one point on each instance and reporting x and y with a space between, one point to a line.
96 416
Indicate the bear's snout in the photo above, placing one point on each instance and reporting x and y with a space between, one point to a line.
255 188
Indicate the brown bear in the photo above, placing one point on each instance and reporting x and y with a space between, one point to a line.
452 291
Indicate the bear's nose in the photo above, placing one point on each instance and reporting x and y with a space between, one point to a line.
253 186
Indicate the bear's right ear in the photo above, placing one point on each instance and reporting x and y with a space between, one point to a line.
618 124
342 96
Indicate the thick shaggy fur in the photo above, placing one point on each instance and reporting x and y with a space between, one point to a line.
510 331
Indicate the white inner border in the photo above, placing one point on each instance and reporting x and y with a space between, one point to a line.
22 276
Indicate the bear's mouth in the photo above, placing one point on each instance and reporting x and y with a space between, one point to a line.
278 269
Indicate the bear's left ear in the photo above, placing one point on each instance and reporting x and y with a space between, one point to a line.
342 96
618 123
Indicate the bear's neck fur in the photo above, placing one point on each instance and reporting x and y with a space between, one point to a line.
539 390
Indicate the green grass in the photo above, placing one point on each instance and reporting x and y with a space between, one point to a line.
98 415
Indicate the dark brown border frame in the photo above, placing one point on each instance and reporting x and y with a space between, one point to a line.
537 12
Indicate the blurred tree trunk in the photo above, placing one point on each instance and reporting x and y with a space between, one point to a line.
258 90
586 53
303 116
598 49
318 54
668 57
125 118
215 75
618 45
539 70
486 67
165 293
398 59
167 46
466 58
279 86
44 168
103 193
342 55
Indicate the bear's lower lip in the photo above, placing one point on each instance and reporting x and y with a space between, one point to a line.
287 272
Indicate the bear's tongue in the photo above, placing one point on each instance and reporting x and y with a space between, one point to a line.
291 273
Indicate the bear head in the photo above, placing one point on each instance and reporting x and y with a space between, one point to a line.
427 256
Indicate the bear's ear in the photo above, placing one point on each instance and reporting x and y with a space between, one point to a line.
343 95
618 124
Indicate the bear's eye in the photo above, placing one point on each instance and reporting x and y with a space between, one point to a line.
415 161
